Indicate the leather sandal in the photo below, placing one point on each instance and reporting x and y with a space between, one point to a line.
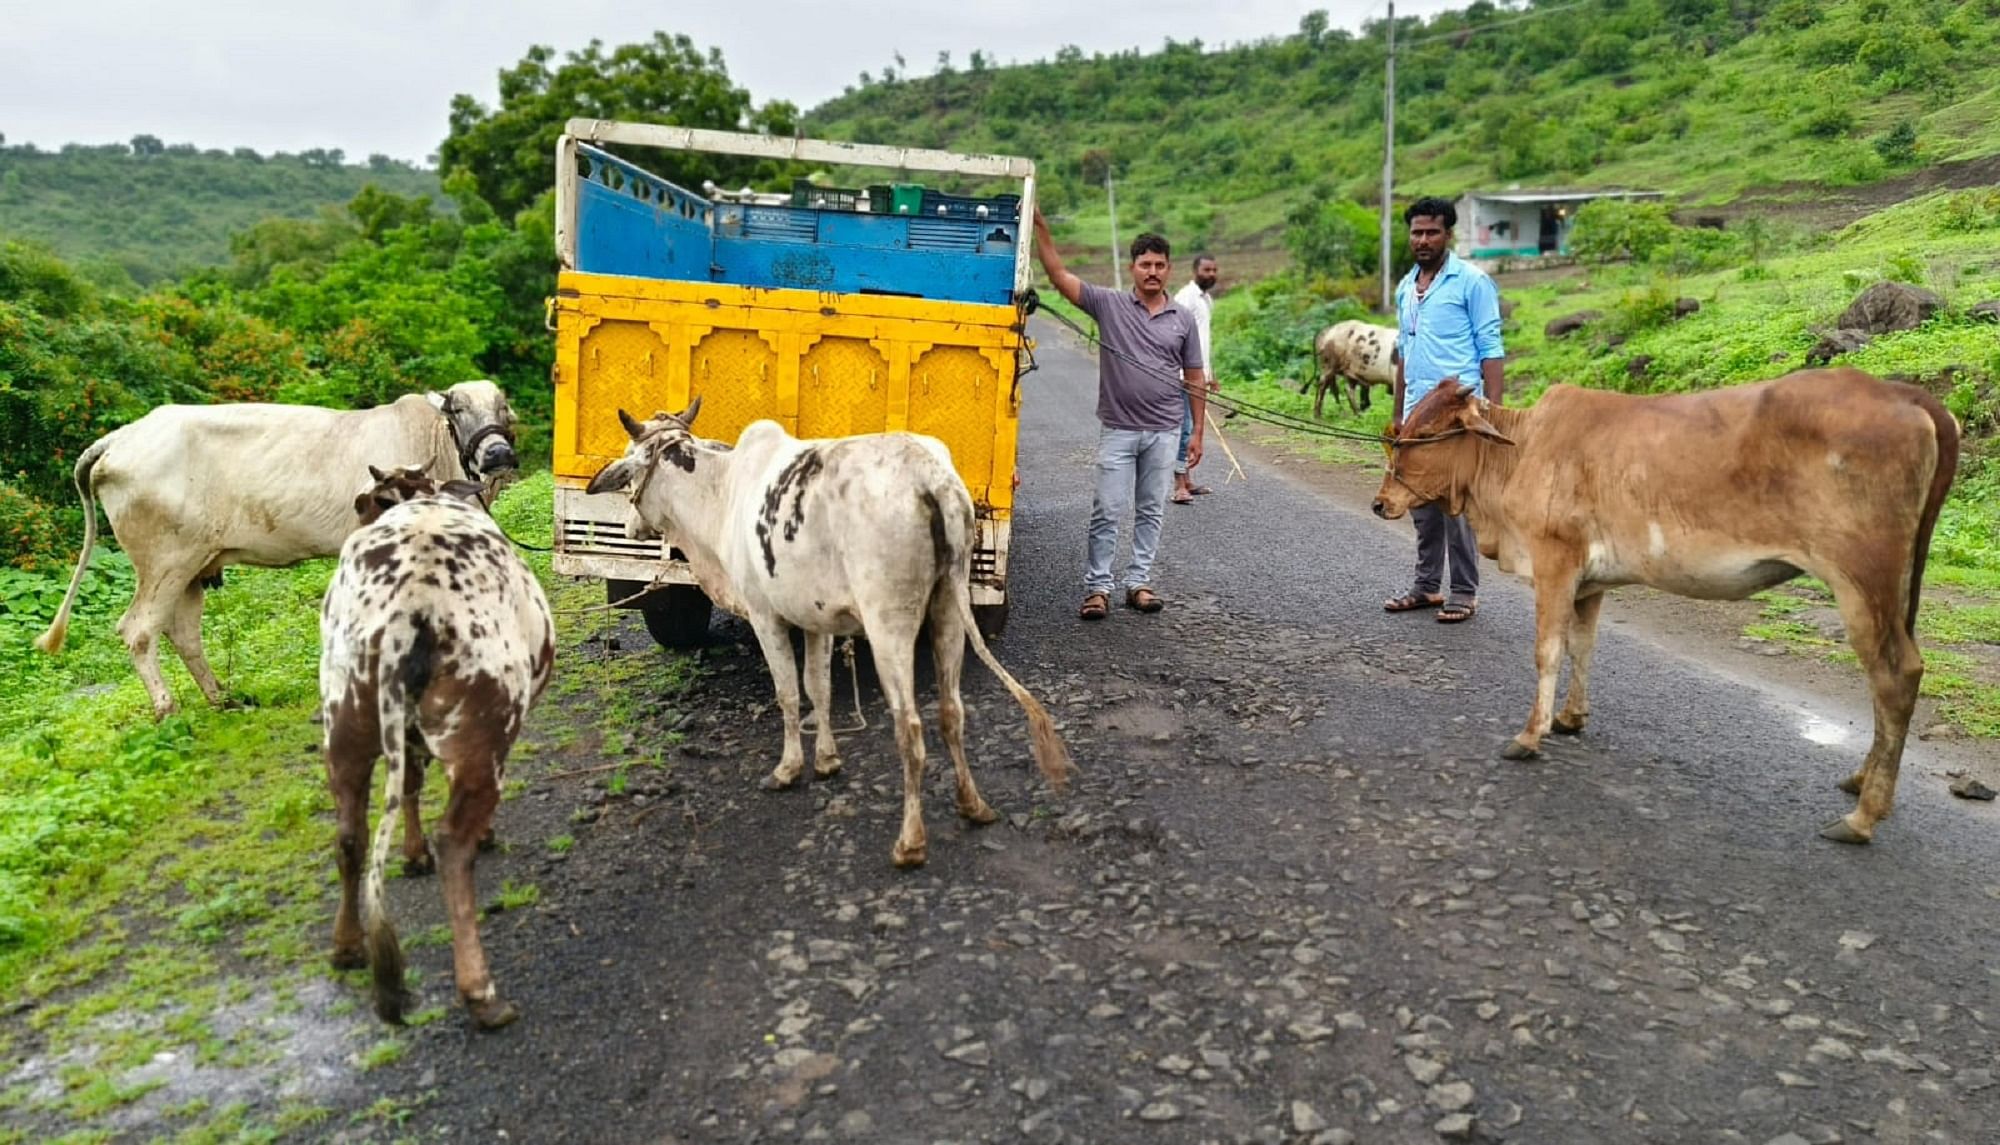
1457 612
1096 606
1144 599
1411 601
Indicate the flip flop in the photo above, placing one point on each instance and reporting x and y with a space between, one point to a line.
1201 490
1182 499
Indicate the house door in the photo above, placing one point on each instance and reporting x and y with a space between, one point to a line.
1551 231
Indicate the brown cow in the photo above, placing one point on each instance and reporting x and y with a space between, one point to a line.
1714 495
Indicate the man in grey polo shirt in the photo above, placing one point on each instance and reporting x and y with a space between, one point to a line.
1151 356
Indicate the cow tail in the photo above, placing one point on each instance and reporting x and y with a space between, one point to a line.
1946 427
955 560
51 641
398 686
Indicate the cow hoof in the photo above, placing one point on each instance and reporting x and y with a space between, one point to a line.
978 813
827 768
353 959
419 865
776 782
1563 727
1841 831
1515 749
908 857
492 1013
1851 785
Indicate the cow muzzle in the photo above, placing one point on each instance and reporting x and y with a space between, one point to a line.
498 457
489 455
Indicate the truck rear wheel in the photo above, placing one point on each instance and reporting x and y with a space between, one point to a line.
991 619
676 615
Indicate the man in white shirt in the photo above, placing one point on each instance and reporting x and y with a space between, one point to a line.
1194 299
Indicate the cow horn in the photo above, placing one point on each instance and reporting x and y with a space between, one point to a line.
633 428
686 416
377 474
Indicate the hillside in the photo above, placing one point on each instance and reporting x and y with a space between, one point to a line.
1705 98
159 210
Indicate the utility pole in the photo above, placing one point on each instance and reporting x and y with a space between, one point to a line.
1117 277
1388 157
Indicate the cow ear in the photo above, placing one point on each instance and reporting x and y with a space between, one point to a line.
1478 424
613 477
439 402
686 416
634 428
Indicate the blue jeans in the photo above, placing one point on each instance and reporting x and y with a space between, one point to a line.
1187 432
1135 467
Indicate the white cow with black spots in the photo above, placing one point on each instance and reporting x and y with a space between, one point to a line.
856 536
190 490
435 640
1361 354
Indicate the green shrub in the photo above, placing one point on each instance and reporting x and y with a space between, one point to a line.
1608 229
1898 145
1642 310
30 537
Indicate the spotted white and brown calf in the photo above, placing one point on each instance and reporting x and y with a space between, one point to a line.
1714 495
435 640
869 536
1359 354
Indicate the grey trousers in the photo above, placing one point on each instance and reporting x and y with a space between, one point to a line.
1135 468
1438 533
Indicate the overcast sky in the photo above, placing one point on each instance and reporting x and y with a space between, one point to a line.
377 75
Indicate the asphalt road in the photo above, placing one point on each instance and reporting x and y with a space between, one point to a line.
1295 895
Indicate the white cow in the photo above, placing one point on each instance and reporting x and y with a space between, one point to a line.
869 535
1358 353
191 489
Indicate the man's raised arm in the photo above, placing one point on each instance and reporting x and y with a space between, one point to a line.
1066 283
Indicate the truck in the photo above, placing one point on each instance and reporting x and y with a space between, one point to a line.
833 311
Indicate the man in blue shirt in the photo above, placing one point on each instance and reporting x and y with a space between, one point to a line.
1447 328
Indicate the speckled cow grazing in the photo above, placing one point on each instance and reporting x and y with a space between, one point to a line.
1358 354
435 640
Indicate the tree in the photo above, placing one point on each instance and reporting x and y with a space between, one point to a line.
510 149
146 146
1334 237
1312 26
